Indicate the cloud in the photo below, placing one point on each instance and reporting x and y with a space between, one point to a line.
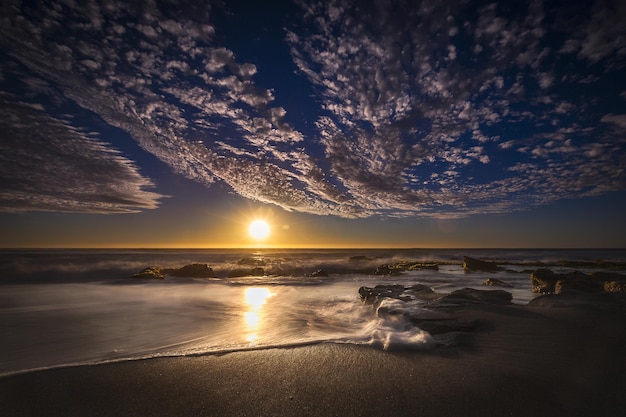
422 110
46 164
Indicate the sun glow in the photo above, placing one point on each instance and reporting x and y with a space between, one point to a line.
259 229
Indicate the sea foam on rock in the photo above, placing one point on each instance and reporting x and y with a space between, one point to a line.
419 306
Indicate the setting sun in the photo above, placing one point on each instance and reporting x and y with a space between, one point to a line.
259 229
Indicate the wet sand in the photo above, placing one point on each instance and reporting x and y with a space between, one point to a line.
521 362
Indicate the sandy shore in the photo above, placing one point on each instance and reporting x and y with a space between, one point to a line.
521 362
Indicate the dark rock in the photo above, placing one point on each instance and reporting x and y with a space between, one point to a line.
384 269
543 281
472 264
578 282
150 273
319 273
494 282
237 273
472 296
191 271
359 258
257 272
374 295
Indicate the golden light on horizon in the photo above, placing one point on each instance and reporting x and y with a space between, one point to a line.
259 230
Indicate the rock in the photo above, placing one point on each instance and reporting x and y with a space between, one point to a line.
543 281
494 282
359 258
319 273
614 286
257 272
150 273
578 281
472 264
385 269
472 296
191 271
374 295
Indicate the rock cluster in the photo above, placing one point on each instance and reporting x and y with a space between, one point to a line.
545 281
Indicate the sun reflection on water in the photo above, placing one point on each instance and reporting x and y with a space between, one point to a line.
255 298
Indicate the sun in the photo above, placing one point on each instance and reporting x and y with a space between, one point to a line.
259 229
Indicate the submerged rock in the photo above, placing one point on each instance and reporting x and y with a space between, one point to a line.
472 264
495 282
191 271
319 273
150 273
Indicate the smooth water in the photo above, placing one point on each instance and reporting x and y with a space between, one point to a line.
62 307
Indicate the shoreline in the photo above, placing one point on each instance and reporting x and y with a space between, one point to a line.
522 361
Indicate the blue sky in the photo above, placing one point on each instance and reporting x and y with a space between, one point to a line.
447 123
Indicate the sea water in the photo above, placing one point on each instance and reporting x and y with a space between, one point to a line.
68 307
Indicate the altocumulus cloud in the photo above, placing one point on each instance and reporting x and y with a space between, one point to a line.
443 109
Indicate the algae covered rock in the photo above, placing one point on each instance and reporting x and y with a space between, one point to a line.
150 273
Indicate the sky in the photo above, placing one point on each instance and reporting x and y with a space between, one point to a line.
341 123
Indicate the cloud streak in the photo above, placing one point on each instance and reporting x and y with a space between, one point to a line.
48 165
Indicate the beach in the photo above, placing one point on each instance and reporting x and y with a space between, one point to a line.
520 361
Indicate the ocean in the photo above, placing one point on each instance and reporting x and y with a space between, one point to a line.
69 307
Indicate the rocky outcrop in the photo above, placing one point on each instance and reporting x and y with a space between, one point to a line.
150 273
544 281
191 271
472 264
435 313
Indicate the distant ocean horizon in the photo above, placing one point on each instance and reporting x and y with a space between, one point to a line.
61 307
